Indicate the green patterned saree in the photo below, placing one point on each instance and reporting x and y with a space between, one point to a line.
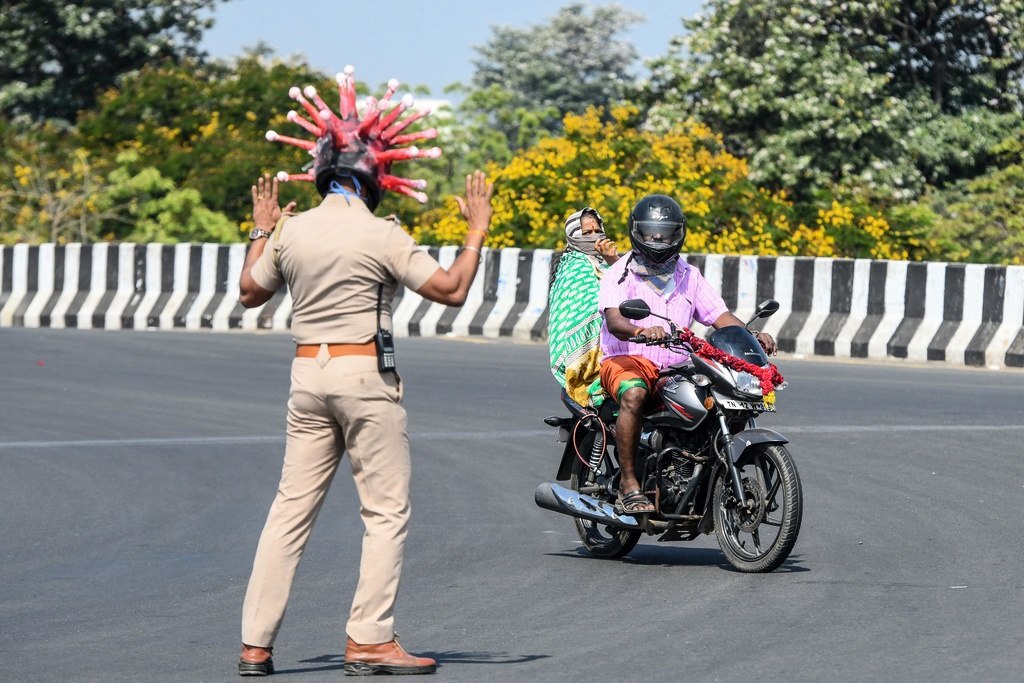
574 327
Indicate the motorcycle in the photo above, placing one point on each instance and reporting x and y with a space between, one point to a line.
701 458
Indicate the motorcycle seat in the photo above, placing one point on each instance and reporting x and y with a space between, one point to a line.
608 411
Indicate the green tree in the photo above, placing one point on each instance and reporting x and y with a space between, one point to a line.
57 55
980 219
878 96
962 53
141 205
202 125
527 79
54 189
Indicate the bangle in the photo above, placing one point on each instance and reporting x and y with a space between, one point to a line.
482 232
479 254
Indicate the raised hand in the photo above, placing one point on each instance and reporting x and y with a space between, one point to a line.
607 249
266 211
476 207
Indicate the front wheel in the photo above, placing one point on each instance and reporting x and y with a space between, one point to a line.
601 540
759 536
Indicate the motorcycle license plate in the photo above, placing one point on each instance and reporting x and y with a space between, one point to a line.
759 406
562 436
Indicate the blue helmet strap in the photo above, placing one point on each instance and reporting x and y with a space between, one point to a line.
337 188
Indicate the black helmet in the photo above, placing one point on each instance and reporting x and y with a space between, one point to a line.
657 228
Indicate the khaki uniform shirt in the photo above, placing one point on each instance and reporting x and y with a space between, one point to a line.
333 257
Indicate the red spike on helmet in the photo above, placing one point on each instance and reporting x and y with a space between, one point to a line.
274 137
296 94
428 134
346 146
396 128
296 118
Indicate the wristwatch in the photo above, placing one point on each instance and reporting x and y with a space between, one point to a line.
257 233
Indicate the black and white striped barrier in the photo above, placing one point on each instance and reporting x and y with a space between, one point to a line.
958 313
195 286
966 314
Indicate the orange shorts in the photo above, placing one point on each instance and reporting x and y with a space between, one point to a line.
620 373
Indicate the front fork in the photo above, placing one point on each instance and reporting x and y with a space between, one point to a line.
734 474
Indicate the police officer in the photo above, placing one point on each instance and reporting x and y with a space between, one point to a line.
342 265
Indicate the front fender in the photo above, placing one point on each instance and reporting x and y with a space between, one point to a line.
751 437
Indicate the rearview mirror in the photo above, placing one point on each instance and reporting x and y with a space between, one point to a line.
767 308
634 309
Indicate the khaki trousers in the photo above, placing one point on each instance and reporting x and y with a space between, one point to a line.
336 405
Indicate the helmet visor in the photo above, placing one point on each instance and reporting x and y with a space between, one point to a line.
658 234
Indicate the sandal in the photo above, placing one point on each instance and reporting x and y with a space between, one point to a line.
634 502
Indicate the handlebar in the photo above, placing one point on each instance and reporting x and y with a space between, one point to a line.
668 340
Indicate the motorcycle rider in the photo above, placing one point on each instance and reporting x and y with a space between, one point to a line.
652 271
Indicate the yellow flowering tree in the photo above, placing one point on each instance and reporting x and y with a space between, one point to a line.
609 162
48 199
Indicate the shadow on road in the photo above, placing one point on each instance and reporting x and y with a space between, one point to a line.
666 556
337 662
329 662
451 657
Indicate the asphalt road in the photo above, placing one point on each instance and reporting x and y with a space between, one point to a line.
136 469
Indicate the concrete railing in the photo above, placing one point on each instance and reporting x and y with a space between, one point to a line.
958 313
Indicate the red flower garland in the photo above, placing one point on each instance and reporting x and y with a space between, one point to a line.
769 375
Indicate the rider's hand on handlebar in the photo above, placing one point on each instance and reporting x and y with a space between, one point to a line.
652 334
768 342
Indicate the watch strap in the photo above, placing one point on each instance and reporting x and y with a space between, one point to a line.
257 233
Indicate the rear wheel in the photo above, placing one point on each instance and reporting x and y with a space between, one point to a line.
601 540
759 536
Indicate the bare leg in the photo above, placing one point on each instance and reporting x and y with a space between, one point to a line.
627 434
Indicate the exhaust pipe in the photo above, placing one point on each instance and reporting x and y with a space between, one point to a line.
557 498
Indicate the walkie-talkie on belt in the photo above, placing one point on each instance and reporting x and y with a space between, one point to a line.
384 340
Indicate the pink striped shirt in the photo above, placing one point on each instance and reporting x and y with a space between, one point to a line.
692 299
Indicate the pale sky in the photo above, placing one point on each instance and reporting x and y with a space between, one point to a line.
420 42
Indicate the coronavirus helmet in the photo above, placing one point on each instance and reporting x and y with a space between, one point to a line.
359 149
657 228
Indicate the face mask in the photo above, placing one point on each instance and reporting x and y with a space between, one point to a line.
586 243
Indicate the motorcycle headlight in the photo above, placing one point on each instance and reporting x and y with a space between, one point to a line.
747 384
